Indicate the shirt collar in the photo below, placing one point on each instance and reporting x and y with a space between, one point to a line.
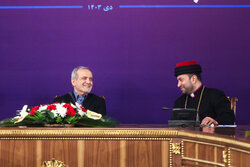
195 92
79 96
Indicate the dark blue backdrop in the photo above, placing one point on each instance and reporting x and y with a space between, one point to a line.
132 51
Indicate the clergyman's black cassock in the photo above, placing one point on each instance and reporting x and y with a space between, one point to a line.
214 104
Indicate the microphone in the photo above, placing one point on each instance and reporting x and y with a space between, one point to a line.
166 108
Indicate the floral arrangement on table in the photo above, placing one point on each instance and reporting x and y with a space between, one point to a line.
58 114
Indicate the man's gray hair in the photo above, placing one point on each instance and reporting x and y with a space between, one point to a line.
74 72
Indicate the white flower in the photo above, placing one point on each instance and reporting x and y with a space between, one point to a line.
74 105
23 114
55 113
60 110
42 107
80 112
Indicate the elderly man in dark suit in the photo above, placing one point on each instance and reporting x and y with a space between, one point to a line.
82 82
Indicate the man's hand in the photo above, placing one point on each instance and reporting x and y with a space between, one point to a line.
209 121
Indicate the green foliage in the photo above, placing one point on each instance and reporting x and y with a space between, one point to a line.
103 122
59 120
247 134
7 122
72 120
40 117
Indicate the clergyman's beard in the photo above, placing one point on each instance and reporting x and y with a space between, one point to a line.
188 90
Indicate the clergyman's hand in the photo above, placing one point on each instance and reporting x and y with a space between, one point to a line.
208 121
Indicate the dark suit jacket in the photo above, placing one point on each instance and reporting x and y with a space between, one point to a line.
92 102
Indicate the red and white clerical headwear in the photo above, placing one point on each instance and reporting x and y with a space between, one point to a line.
187 67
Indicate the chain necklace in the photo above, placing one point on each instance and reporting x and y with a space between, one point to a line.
198 107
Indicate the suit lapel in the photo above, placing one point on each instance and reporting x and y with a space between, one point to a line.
85 102
72 97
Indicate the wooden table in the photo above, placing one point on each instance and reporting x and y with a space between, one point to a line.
125 146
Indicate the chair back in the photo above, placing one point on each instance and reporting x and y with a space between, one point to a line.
233 101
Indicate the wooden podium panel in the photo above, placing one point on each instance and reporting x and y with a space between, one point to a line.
101 153
63 150
239 157
151 146
18 153
146 153
202 154
85 152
